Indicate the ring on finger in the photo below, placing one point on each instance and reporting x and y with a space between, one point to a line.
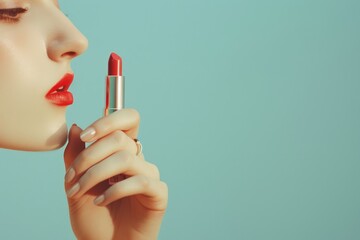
139 147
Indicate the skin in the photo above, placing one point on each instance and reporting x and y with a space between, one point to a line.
35 52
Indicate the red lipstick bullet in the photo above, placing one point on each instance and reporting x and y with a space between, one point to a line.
115 65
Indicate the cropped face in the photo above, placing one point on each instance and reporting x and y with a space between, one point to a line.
37 44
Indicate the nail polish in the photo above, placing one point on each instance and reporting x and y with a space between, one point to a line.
73 190
70 174
87 134
99 199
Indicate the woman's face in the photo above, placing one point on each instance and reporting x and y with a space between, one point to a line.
37 44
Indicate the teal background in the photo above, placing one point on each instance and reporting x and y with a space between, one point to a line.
250 109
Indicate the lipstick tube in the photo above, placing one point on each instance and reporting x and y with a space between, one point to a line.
115 99
115 95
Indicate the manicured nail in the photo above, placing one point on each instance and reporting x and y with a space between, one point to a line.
87 134
99 199
74 189
70 174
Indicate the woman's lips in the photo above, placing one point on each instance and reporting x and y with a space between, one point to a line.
58 94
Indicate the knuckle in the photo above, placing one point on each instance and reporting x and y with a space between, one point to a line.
155 170
118 136
84 156
144 181
115 190
135 113
165 185
126 158
90 174
165 188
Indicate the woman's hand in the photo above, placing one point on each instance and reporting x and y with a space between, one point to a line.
132 208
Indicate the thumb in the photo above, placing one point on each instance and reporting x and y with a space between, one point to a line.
74 146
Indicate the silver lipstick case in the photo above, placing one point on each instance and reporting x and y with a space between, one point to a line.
115 89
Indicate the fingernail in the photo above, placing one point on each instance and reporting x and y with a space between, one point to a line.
87 134
74 189
99 199
70 174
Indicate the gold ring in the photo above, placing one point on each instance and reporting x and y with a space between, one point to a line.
139 147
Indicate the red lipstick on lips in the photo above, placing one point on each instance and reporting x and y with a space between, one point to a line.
59 94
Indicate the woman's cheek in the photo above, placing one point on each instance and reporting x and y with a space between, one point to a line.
31 123
28 121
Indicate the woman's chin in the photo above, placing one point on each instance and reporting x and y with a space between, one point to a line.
41 148
57 139
54 140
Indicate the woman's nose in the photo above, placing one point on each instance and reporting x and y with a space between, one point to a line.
65 41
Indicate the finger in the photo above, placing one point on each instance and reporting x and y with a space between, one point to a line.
101 149
155 192
74 146
126 120
119 163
